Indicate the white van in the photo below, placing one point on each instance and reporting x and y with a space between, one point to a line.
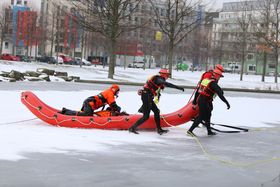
139 64
58 59
84 61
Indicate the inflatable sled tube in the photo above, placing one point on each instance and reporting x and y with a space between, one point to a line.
51 116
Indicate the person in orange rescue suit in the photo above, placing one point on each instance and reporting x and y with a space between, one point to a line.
148 93
94 102
208 88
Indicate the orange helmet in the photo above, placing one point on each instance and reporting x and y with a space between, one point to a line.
115 88
219 67
164 71
217 73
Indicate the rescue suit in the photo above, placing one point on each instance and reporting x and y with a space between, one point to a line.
207 90
95 102
149 91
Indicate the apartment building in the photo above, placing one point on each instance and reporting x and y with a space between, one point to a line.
19 29
228 31
62 32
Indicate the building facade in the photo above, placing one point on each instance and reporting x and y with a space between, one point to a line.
20 30
235 37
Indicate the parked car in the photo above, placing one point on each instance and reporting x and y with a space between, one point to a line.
58 59
6 56
83 61
50 59
45 59
228 70
136 65
23 58
67 59
182 66
97 60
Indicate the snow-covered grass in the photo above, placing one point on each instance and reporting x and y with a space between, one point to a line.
187 78
17 139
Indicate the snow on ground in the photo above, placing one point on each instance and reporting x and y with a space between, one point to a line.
36 136
187 78
16 139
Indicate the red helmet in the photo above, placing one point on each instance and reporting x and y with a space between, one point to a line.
115 88
218 73
164 71
219 67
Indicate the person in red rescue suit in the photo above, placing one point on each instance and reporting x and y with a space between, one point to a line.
148 93
94 102
209 75
208 88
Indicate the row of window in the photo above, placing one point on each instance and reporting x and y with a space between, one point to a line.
251 67
19 2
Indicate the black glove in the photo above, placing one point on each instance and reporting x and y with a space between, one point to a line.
140 92
159 94
118 109
115 107
194 102
228 105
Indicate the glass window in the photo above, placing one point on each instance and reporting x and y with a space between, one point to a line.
250 56
6 45
251 67
272 66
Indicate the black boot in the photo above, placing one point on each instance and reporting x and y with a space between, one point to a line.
161 131
133 130
190 133
62 111
211 133
140 109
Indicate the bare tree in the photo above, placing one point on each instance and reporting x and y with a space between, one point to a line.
2 29
243 35
261 22
48 28
176 19
3 25
109 18
195 46
200 47
31 36
218 49
96 44
269 35
274 34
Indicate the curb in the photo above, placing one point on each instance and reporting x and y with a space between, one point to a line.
186 87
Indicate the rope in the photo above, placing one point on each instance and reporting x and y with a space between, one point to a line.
223 161
275 179
14 122
210 156
194 91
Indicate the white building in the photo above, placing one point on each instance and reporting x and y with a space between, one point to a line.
227 33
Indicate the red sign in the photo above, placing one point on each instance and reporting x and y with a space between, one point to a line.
26 28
